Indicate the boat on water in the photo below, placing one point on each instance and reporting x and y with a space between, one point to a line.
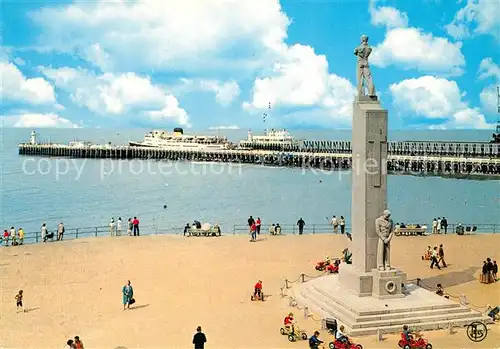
271 140
177 140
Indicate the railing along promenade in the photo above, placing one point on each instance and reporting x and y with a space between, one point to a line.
481 160
236 229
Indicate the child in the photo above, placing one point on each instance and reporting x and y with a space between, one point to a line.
258 290
6 237
78 343
19 301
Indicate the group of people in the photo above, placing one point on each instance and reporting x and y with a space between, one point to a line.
13 237
436 256
338 222
489 272
74 344
116 227
254 227
439 224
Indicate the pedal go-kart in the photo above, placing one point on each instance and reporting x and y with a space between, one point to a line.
417 343
296 335
344 345
321 265
255 297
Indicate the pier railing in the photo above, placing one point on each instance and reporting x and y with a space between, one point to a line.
150 229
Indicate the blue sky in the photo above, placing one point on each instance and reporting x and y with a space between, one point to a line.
247 63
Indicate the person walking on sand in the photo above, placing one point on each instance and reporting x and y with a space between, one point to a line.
127 295
78 343
130 226
301 224
250 222
257 225
135 224
253 232
19 301
342 224
434 258
6 237
335 224
119 226
441 255
199 339
60 231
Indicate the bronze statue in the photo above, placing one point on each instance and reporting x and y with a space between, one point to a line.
363 72
385 230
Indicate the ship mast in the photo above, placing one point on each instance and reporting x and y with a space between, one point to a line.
498 111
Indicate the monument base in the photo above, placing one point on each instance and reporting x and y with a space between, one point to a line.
379 284
418 308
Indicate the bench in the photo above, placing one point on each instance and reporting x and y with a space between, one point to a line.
409 231
213 231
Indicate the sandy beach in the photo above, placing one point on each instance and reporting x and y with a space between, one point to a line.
74 288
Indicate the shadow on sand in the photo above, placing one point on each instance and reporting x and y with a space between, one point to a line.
453 278
139 306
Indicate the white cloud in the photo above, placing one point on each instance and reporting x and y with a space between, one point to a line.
489 95
412 48
41 120
484 15
436 98
156 34
225 92
117 94
16 87
229 127
301 79
387 16
489 99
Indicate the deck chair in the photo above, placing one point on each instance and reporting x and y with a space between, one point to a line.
467 229
474 228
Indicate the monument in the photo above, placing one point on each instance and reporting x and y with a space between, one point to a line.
369 294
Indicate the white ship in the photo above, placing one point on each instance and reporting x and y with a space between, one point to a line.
177 140
271 140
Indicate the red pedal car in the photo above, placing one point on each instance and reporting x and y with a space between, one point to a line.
417 343
344 345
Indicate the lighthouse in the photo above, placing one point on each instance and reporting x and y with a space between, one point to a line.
33 137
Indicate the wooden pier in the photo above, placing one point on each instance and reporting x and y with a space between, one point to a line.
483 161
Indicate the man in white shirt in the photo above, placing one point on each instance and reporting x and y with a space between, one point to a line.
340 336
434 226
112 227
119 227
335 224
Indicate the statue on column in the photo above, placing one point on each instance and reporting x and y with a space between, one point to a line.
385 230
363 72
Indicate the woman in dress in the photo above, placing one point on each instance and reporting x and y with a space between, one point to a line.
128 294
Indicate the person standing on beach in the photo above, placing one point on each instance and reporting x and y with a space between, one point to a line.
342 224
434 226
301 224
130 226
19 301
257 225
199 339
60 231
43 230
441 256
135 224
119 227
250 222
20 233
444 224
127 295
6 237
335 224
112 227
78 343
439 225
13 236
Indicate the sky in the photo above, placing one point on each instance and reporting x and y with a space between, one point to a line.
246 63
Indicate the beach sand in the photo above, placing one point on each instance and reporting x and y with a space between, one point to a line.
74 288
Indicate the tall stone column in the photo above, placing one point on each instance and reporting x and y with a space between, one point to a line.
369 180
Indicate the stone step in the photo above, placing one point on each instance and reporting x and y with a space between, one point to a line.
381 312
423 326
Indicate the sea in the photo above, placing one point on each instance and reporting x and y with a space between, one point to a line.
89 192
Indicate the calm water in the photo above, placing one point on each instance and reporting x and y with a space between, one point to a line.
89 192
